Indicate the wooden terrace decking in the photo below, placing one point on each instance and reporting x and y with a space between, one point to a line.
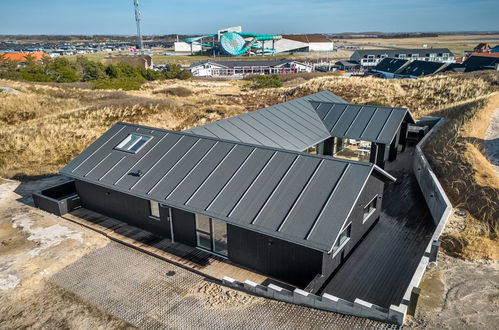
380 268
201 262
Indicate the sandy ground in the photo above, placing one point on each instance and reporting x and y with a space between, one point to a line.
4 89
33 246
458 294
492 141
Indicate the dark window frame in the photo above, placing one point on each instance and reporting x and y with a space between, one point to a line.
370 208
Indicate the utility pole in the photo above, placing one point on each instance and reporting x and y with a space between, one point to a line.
137 19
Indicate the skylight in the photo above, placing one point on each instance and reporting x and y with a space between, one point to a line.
133 143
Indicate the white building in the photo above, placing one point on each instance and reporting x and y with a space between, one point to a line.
371 57
240 68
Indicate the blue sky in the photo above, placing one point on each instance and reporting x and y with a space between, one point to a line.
259 16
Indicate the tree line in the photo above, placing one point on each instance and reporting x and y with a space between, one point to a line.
110 76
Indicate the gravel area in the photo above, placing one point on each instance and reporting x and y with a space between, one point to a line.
153 294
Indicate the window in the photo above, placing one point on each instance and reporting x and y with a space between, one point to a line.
370 208
154 208
133 143
315 149
342 239
211 234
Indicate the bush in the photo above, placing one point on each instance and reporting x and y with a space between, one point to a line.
270 81
175 91
174 71
123 83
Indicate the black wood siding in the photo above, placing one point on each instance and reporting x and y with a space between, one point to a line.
184 227
130 209
374 186
283 260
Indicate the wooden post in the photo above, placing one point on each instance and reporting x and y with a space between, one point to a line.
413 302
403 135
392 153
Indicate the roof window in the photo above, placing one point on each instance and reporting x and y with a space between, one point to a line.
133 143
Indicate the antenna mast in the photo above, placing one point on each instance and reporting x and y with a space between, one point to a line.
137 19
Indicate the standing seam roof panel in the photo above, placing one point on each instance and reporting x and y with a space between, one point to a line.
349 188
307 209
286 194
210 188
271 130
196 174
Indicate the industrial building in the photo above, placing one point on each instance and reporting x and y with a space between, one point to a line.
303 43
240 68
234 42
369 58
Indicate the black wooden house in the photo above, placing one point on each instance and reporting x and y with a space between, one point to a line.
287 214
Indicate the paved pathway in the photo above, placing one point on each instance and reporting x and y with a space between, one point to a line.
492 141
152 294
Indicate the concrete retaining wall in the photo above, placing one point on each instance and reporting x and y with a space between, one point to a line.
438 204
325 302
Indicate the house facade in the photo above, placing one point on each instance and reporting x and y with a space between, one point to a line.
369 58
290 215
241 68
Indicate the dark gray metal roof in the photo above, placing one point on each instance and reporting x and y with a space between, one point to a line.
391 65
294 196
361 122
421 68
292 125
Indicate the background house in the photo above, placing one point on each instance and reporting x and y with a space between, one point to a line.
389 66
369 58
23 57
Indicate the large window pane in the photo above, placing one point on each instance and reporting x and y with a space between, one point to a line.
219 237
154 208
203 223
204 240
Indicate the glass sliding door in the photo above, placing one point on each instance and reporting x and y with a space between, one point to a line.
219 232
211 234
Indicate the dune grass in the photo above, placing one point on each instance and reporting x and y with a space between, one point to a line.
46 126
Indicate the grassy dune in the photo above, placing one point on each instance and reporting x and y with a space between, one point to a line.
47 125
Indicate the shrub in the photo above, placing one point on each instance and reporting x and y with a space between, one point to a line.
175 91
123 83
270 81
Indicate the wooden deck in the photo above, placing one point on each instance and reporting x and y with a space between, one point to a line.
199 261
381 267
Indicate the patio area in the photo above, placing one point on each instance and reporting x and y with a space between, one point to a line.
191 258
380 268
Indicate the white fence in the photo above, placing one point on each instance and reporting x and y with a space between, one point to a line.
325 302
